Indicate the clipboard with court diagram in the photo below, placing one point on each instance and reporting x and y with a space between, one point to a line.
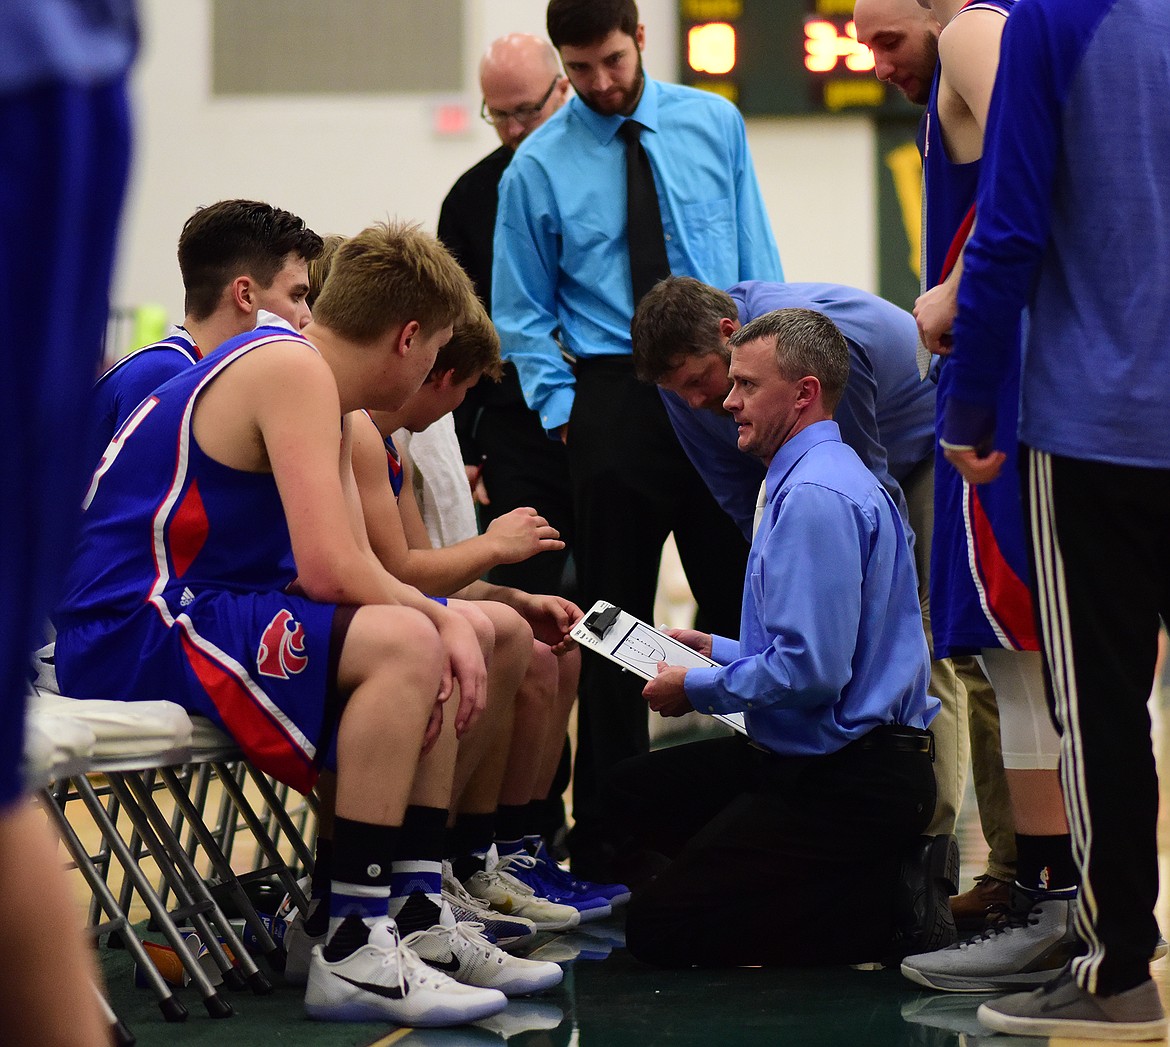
638 647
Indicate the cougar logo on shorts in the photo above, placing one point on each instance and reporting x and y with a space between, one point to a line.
282 647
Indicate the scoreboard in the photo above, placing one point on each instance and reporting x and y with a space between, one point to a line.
783 58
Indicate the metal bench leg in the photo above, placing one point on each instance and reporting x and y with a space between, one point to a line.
216 1005
172 1009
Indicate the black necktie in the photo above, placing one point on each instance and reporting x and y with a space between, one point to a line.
647 247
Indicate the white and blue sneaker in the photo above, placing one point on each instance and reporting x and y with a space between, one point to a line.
461 951
497 885
365 973
615 894
511 933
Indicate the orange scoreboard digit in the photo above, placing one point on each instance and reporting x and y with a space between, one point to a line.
782 57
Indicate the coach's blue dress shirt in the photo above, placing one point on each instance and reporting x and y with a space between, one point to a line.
831 642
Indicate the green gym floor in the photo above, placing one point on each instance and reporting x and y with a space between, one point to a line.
608 999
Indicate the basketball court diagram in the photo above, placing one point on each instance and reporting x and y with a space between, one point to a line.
643 646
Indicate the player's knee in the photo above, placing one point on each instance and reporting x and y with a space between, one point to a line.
513 634
418 643
396 642
539 686
512 631
485 631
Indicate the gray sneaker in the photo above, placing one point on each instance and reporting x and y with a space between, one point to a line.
1064 1009
1027 948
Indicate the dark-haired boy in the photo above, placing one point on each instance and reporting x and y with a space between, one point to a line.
237 257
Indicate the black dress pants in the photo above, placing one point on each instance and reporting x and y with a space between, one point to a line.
632 486
774 860
522 466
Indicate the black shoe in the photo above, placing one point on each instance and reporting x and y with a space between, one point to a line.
638 868
929 876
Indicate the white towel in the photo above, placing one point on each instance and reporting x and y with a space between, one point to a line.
440 482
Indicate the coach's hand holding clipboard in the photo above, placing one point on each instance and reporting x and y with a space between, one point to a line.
666 694
660 657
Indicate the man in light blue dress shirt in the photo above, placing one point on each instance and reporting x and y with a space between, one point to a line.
562 301
799 834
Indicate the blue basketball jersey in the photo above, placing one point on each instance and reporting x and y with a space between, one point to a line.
129 381
177 587
980 580
161 516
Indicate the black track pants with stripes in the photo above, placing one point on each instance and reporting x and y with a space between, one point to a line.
1100 537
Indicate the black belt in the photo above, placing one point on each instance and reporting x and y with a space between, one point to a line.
604 362
890 737
898 739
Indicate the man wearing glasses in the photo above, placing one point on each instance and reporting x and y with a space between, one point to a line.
511 462
502 441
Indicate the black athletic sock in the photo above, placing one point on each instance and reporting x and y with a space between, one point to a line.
418 865
511 827
362 857
424 833
534 826
1045 863
468 842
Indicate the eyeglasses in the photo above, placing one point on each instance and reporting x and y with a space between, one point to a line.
522 114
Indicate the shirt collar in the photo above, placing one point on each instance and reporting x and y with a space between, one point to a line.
178 331
266 319
796 448
605 128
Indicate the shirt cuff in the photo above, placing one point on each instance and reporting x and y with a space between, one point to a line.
702 691
724 650
555 411
701 686
967 426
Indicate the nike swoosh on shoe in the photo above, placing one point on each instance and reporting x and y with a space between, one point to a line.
451 966
390 992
